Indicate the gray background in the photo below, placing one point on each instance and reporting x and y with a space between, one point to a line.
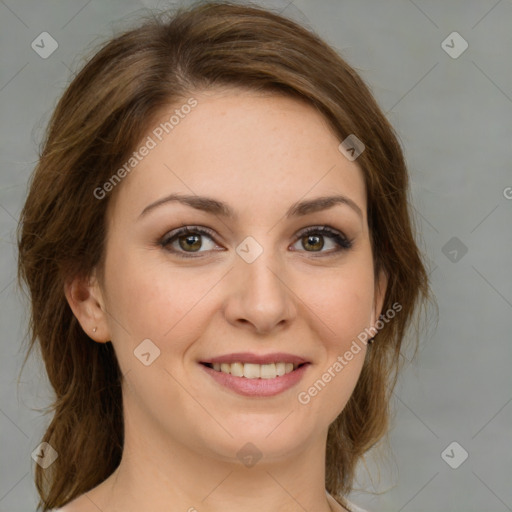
454 117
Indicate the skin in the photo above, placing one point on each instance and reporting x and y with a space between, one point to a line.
259 154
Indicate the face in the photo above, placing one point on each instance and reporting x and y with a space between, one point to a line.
265 273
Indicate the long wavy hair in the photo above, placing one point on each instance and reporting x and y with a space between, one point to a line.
100 119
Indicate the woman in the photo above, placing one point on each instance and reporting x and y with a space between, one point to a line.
219 254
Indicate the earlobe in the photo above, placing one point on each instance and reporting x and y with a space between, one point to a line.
85 300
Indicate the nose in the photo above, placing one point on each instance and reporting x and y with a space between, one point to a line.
259 297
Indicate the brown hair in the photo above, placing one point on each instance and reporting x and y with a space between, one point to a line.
102 116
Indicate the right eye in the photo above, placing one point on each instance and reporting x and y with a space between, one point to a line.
180 240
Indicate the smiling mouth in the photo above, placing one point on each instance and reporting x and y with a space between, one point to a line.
255 371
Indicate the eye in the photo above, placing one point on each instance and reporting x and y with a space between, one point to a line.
313 238
189 240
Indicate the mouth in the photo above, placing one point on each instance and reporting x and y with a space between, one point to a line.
255 371
256 376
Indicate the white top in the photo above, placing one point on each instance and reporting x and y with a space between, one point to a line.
354 508
351 507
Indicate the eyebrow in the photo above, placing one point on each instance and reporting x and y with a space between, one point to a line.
210 205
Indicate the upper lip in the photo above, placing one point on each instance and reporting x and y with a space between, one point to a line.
248 357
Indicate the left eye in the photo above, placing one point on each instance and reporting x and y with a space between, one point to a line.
189 240
314 238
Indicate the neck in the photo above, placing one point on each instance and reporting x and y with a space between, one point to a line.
160 475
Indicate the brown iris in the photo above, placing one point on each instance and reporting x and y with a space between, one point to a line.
195 245
316 240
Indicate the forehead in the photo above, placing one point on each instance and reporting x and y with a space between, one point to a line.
258 152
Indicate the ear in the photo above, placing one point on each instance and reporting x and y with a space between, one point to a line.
85 299
381 284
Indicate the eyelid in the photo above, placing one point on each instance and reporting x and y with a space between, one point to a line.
338 237
323 228
183 230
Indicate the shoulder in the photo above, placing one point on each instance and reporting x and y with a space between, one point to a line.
80 504
70 507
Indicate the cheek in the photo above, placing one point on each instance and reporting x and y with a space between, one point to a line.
155 301
339 307
342 312
340 303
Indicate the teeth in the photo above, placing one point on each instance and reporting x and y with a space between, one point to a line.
252 371
255 371
280 369
268 371
237 369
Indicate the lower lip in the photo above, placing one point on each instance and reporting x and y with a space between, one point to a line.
257 387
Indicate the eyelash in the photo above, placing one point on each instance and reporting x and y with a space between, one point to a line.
338 237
